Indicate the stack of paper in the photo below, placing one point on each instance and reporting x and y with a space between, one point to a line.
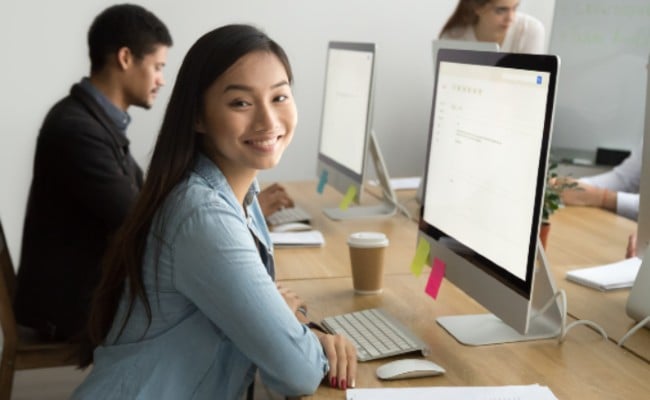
297 239
524 392
606 277
400 183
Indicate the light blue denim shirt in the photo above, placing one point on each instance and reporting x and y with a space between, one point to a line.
217 315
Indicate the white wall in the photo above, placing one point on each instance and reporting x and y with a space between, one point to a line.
43 47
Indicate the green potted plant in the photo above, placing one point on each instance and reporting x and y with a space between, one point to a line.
555 185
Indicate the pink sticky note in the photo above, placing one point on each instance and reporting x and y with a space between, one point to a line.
435 278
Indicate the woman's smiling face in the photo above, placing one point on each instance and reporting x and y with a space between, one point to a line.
249 115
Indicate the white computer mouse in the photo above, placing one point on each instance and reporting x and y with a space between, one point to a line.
409 368
292 227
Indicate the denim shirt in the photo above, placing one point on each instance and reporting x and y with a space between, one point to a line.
217 315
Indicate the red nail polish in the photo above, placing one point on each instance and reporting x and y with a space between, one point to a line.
342 384
333 381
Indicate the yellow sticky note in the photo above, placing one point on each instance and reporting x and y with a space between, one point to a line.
348 198
420 258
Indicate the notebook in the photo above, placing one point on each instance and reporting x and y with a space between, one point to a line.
616 275
298 239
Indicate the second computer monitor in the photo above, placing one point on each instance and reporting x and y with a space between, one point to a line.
484 183
346 135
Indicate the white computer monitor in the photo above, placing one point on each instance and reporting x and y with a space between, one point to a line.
643 226
638 303
346 130
484 183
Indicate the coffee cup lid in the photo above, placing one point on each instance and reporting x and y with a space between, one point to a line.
367 239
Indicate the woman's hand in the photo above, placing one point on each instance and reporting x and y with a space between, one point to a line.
342 357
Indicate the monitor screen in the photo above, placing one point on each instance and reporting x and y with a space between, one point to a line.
347 111
486 172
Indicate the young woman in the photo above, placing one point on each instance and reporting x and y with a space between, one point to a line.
495 21
187 307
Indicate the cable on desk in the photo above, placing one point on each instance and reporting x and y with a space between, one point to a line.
564 328
633 330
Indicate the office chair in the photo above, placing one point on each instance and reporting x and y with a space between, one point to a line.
20 350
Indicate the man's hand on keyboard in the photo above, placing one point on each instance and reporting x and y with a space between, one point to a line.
274 198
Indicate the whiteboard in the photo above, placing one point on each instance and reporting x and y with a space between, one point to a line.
603 47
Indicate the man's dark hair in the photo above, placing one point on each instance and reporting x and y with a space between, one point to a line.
125 25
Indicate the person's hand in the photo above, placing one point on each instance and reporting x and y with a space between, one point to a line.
588 195
631 246
273 198
293 300
342 357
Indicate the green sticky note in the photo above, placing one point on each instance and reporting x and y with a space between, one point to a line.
421 254
347 199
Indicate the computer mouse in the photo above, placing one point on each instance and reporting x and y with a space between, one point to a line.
292 227
409 368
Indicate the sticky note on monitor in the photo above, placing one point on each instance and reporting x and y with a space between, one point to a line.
322 181
435 278
420 258
348 198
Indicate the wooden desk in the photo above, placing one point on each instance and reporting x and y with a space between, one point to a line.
580 237
584 367
583 237
333 260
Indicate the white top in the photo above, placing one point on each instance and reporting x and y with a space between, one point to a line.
625 179
525 35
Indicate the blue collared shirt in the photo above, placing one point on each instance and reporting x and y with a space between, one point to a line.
217 315
120 118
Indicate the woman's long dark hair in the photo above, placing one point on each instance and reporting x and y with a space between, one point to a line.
174 155
464 14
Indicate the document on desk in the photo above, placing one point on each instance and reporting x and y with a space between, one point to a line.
298 239
410 183
525 392
616 275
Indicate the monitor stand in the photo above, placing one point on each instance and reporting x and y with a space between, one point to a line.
545 319
388 205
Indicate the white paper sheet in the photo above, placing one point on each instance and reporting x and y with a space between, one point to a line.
617 275
410 183
298 239
527 392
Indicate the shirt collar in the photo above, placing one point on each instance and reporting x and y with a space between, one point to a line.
120 118
210 172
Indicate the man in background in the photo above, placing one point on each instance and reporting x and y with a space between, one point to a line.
85 179
616 190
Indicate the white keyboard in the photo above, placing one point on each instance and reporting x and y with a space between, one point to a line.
375 334
287 215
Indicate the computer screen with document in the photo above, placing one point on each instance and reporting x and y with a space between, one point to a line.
486 174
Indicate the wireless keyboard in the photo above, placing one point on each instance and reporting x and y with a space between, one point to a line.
375 334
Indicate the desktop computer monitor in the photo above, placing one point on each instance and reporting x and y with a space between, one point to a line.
346 129
643 226
638 303
484 183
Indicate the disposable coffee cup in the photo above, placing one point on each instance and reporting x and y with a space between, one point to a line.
367 261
